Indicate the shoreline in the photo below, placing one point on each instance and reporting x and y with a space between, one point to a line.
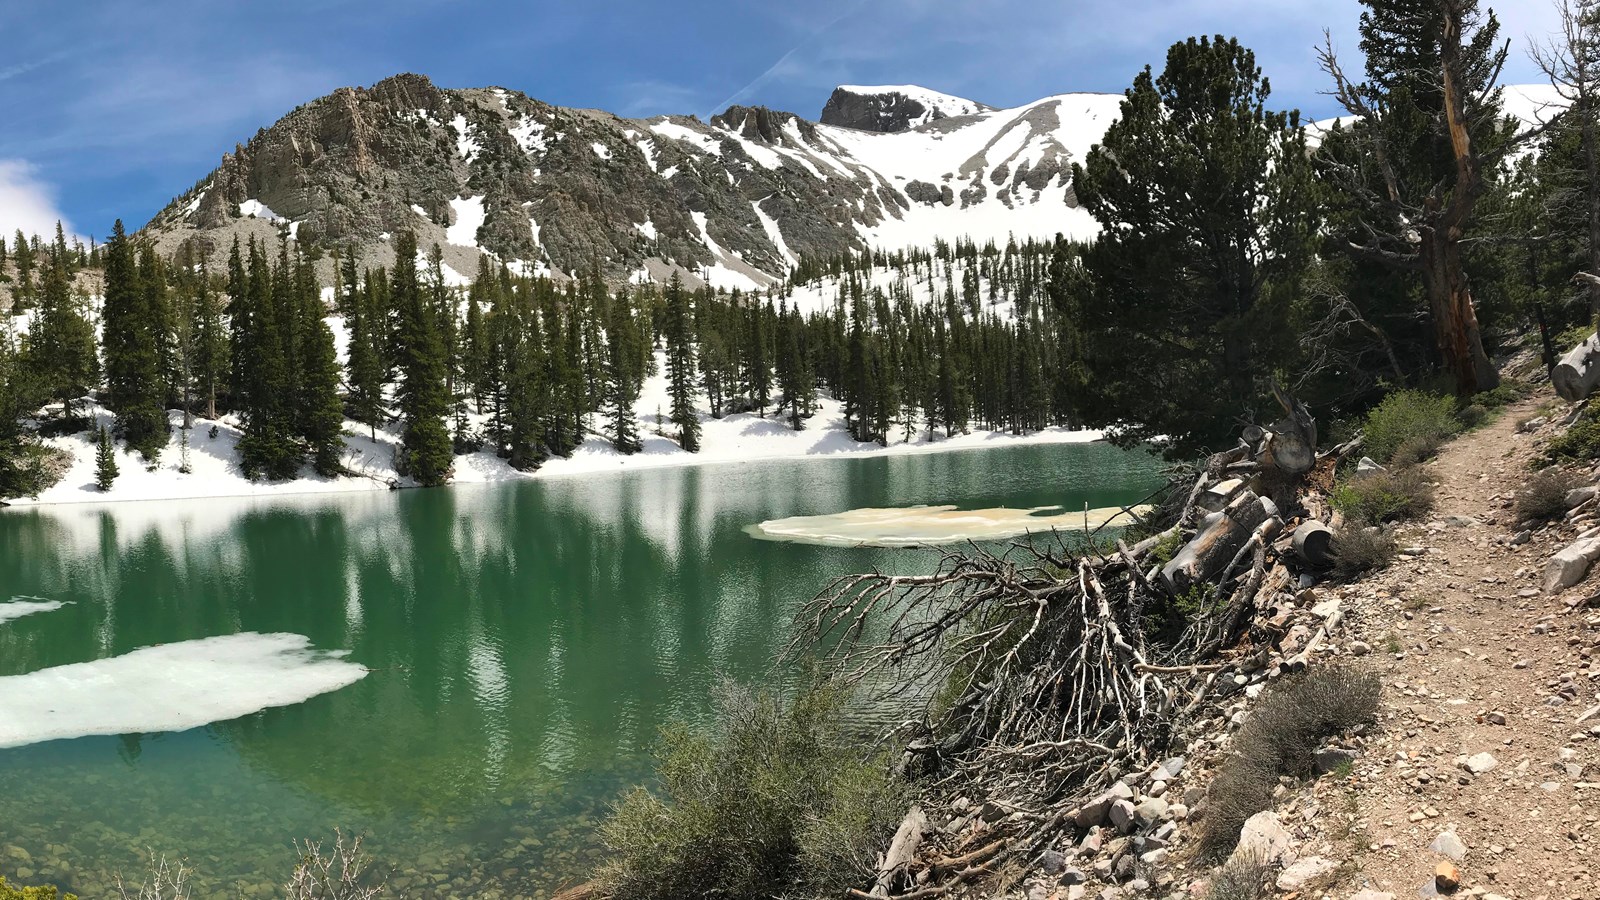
726 441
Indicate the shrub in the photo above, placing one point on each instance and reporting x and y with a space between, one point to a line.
1243 877
1506 393
780 802
1361 548
338 873
8 892
1419 421
165 881
1389 496
1280 738
1579 443
1473 414
1544 496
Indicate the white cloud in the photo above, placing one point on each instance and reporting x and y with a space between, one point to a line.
26 202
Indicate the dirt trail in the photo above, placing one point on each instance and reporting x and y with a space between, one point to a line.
1465 639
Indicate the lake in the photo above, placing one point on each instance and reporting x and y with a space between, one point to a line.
526 643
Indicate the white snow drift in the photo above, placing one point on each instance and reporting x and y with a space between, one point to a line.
170 687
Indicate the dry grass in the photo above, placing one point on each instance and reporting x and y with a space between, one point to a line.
1244 877
1358 549
1544 496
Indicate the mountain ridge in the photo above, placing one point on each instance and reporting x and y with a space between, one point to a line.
734 202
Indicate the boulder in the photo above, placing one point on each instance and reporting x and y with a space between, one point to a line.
1571 564
1122 815
1095 811
1448 844
1264 837
1304 872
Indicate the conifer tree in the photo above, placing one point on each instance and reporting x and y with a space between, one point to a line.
133 378
366 372
61 345
211 357
426 453
1409 173
621 388
681 365
267 399
320 414
1208 216
105 458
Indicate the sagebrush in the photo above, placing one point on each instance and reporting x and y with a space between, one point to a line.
781 802
1388 496
1544 496
1357 549
1280 738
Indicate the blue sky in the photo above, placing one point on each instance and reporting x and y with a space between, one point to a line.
112 108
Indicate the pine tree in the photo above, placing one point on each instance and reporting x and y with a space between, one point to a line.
133 378
621 388
61 346
1410 172
1208 216
366 371
426 453
211 357
681 365
320 414
105 458
266 395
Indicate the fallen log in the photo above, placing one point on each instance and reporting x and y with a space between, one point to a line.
1578 372
901 853
1220 537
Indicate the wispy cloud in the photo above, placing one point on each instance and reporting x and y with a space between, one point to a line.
787 58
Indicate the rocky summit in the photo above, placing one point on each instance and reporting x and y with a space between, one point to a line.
734 202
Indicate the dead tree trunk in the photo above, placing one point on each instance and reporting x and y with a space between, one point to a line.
1578 372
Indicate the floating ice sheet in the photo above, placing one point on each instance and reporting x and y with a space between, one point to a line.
26 606
170 687
909 526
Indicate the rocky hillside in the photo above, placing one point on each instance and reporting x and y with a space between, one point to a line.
734 201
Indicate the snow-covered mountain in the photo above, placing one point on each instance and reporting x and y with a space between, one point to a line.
735 201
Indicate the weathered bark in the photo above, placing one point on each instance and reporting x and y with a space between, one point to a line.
1578 372
1219 540
1455 319
902 851
1443 272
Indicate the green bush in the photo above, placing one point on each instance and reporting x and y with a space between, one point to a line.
782 802
1416 421
1579 443
1389 496
7 892
1506 393
1280 738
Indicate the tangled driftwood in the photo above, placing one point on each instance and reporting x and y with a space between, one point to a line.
1047 671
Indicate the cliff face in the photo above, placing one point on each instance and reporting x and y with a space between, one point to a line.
735 201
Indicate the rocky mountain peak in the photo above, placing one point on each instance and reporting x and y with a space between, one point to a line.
760 123
889 109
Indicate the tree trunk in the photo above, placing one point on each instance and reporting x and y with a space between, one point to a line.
1455 320
1578 372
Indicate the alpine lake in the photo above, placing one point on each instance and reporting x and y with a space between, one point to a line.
525 644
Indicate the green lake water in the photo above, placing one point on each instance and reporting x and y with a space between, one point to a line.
526 640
